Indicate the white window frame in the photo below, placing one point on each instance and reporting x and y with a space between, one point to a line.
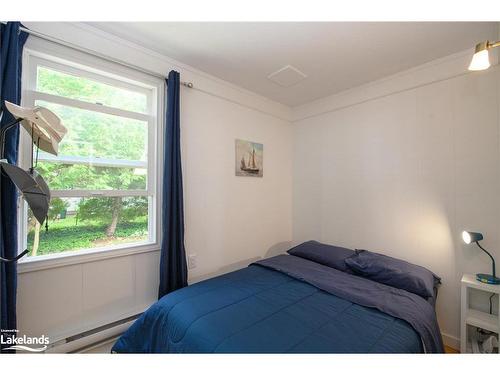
66 60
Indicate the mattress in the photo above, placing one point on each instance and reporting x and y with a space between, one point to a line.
261 310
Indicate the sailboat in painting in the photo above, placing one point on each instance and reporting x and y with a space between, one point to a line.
251 166
249 158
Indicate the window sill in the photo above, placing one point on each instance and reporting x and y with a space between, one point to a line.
78 257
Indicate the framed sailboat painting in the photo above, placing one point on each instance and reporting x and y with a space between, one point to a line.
249 158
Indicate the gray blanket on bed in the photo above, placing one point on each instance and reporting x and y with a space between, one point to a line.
396 302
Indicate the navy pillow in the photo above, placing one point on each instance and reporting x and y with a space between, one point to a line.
394 272
328 255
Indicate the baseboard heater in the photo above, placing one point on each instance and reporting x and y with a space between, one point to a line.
92 337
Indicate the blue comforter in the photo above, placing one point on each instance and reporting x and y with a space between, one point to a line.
277 306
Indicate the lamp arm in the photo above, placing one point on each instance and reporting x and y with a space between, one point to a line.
492 259
494 44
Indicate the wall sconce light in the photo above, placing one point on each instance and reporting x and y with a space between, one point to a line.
481 58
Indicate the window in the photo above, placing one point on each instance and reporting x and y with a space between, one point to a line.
103 182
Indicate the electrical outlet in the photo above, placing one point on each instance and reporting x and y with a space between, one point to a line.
192 261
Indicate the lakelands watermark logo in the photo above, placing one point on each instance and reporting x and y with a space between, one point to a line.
10 339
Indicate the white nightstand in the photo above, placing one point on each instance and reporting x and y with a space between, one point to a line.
476 318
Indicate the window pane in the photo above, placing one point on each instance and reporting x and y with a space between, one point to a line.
87 177
86 223
98 135
99 152
62 84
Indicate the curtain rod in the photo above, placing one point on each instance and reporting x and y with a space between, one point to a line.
154 74
96 54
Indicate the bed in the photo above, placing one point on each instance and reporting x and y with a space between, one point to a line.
286 304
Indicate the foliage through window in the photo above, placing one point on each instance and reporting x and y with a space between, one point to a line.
102 181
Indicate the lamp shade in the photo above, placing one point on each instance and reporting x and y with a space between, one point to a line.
481 58
470 237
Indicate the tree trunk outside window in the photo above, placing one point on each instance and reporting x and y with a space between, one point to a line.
116 210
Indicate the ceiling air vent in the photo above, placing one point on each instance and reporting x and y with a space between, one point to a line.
287 76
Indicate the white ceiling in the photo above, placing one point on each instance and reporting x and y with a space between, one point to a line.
335 56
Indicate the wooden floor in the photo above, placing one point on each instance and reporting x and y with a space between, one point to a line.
449 350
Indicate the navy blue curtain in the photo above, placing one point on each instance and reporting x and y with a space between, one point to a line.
11 49
173 265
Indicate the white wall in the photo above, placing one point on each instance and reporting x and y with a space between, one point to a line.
229 220
401 167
